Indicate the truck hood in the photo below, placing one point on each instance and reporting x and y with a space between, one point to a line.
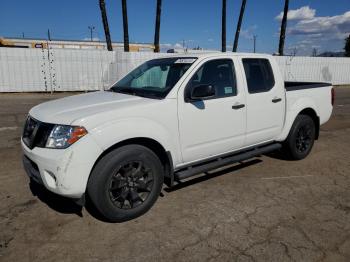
67 110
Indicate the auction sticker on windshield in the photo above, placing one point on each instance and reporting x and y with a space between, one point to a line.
185 61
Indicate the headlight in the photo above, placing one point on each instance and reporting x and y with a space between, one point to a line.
63 136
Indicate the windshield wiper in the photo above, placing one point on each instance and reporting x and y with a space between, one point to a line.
135 92
124 90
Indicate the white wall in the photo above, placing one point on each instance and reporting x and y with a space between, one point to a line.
25 70
315 69
31 70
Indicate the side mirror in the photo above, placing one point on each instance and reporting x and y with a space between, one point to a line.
202 92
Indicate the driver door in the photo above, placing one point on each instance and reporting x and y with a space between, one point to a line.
215 125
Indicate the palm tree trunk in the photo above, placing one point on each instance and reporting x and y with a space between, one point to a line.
239 24
157 29
223 27
283 28
105 25
125 26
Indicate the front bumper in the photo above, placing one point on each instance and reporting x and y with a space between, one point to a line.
32 170
62 171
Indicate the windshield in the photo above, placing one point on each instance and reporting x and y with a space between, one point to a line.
155 78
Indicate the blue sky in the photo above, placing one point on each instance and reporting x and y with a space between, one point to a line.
314 23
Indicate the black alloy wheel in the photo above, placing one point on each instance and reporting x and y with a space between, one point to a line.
303 138
125 183
131 185
300 139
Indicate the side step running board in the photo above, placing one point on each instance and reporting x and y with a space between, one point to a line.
222 161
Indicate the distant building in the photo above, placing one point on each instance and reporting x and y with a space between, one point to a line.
332 54
71 44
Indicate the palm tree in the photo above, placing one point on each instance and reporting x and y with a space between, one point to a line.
347 46
105 25
239 24
157 29
223 27
125 26
283 28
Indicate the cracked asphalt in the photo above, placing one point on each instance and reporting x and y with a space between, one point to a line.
266 209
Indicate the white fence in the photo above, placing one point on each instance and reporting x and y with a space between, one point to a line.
26 70
333 70
32 70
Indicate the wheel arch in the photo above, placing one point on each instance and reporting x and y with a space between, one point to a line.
163 155
302 106
312 113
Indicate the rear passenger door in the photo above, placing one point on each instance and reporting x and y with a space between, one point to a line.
217 125
265 101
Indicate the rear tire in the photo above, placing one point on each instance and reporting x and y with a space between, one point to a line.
301 138
125 183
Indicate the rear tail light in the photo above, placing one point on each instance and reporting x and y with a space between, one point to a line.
333 96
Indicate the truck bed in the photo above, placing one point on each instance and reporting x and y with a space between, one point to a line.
291 86
315 94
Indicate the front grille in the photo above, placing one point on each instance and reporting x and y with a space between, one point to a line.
35 133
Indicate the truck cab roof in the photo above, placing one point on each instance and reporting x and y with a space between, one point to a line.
219 54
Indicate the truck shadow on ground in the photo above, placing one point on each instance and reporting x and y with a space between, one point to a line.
210 175
68 206
55 202
278 155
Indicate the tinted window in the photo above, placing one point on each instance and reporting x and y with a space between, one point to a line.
259 75
219 74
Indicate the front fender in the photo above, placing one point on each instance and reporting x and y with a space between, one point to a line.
114 132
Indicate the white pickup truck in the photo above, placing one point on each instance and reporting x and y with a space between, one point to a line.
167 120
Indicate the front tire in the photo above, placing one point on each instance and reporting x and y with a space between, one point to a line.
301 138
125 183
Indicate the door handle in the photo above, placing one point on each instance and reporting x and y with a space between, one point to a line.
276 100
238 106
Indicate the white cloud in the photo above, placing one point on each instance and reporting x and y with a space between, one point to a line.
178 45
298 48
302 13
331 27
96 39
170 46
303 48
166 45
306 31
248 33
306 41
210 39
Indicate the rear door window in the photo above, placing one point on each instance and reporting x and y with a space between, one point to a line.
259 75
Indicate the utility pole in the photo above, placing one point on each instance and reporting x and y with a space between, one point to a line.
91 28
23 35
254 39
48 35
